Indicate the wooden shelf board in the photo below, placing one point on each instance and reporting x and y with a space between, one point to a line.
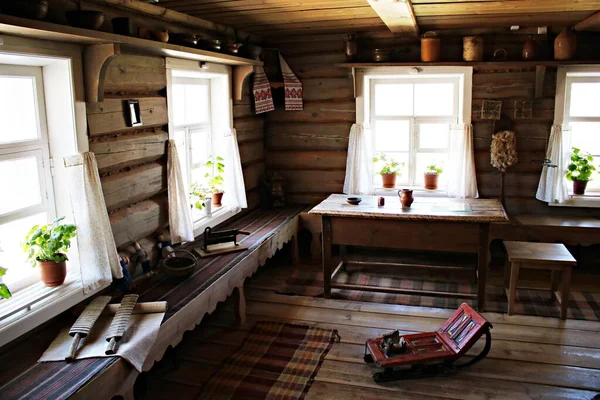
497 64
49 31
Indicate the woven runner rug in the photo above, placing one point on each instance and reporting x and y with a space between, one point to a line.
582 305
276 361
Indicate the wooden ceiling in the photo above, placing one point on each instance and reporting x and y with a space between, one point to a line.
270 18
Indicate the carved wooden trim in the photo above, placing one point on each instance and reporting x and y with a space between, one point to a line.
96 58
240 75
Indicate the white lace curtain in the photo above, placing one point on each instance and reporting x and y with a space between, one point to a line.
553 187
359 166
462 181
181 227
235 189
98 257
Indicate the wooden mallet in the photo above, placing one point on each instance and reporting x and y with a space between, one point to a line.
118 326
82 327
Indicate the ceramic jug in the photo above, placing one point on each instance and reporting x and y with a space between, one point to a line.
406 197
565 45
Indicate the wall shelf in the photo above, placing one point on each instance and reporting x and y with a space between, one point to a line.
42 30
480 64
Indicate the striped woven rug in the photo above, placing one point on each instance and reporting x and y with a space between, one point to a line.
276 361
582 305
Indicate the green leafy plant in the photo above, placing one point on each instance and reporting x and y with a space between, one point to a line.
581 167
49 242
216 181
434 169
389 165
199 195
4 291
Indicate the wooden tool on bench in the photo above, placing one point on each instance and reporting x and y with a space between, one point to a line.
82 327
119 324
429 353
220 242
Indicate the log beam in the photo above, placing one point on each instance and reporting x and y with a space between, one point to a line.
589 24
540 74
398 15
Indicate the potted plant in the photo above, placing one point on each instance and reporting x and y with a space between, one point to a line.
201 197
432 173
46 246
390 169
4 291
216 181
580 170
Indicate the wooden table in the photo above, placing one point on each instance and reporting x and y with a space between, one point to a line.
431 224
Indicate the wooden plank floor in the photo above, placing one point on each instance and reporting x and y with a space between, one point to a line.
531 357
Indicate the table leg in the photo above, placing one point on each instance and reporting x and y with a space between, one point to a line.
482 264
512 291
326 251
555 280
566 289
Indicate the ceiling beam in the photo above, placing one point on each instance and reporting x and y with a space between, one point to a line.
398 15
589 24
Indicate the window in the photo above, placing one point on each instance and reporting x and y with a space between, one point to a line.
582 118
411 119
25 169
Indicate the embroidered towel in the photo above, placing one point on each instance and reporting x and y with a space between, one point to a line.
263 99
292 87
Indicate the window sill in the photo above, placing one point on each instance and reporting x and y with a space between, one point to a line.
417 191
217 217
585 201
31 307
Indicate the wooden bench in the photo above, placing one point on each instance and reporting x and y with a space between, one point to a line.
189 300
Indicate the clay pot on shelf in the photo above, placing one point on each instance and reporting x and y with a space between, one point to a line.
144 33
430 47
389 180
431 180
122 26
85 19
529 52
565 45
500 55
217 199
473 48
232 47
381 55
351 47
579 187
162 36
32 9
52 274
406 197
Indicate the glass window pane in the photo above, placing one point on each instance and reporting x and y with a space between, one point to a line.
392 135
402 178
18 112
12 255
434 99
196 104
584 99
433 136
20 183
425 159
586 136
199 146
178 94
393 99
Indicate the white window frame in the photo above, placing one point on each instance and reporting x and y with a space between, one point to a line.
565 77
364 76
62 71
221 120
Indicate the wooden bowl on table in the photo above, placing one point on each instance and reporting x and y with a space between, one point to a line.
353 200
179 266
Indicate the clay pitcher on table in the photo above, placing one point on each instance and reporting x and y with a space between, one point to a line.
406 197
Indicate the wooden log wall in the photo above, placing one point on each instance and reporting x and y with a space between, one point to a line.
132 161
309 147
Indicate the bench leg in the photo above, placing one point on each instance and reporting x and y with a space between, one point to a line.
506 273
555 280
512 292
326 252
566 289
294 248
240 304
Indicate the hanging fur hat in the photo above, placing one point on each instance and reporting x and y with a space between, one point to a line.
503 152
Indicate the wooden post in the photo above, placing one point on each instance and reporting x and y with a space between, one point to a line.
482 264
326 251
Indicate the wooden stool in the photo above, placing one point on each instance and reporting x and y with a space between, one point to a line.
549 256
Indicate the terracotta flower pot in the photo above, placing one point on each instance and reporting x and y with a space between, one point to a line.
389 180
579 187
431 181
217 198
52 273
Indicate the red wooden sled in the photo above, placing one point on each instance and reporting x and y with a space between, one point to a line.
429 353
